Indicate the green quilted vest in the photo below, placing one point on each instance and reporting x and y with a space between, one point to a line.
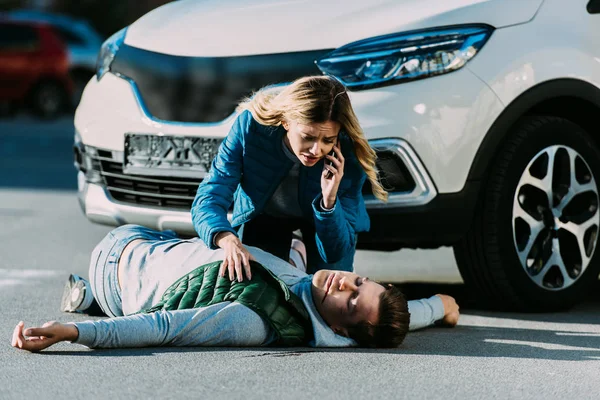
265 294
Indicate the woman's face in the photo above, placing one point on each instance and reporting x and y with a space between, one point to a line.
311 142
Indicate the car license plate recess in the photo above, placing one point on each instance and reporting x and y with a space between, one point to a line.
163 155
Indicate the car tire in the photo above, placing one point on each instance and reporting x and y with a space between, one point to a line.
48 100
533 243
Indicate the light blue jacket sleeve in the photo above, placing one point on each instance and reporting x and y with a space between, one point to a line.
425 312
223 324
215 193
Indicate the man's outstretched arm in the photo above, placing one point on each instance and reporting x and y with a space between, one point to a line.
222 324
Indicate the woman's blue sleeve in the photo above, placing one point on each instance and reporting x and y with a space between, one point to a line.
335 228
215 193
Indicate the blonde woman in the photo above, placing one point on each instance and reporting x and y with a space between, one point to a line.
295 158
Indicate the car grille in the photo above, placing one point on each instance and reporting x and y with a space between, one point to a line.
163 192
205 89
179 193
153 191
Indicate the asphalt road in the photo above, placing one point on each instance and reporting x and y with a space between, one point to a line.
44 237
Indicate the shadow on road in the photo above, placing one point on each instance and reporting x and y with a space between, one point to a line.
462 341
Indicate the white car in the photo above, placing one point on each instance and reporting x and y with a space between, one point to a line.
484 114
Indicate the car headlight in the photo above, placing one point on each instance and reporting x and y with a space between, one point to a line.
108 51
398 58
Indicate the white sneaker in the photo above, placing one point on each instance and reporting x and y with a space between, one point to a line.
77 295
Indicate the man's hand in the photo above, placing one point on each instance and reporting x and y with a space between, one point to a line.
236 256
451 313
36 339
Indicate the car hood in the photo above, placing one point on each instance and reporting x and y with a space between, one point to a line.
214 28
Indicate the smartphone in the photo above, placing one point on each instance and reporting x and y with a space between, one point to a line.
329 174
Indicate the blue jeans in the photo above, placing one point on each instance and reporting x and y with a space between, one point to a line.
105 259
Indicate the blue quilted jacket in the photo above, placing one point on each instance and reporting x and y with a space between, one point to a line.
247 170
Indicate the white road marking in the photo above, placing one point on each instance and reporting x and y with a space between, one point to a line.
540 345
15 277
523 324
577 334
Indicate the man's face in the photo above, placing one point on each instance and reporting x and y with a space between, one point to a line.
344 299
311 142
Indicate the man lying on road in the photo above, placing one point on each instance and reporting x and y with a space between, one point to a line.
151 287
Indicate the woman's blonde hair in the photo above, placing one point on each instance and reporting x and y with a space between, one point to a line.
315 99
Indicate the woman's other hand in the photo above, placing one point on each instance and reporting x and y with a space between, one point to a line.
37 339
236 257
329 186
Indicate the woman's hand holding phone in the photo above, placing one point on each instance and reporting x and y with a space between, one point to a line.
333 171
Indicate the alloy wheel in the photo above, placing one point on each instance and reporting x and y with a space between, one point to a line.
555 217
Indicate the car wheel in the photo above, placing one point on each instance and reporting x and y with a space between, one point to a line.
533 243
48 100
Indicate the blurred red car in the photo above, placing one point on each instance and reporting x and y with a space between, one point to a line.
34 68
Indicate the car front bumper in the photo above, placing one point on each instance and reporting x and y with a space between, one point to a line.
99 207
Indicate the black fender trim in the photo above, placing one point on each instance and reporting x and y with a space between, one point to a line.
593 7
519 107
441 222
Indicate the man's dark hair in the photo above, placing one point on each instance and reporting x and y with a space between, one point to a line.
392 326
